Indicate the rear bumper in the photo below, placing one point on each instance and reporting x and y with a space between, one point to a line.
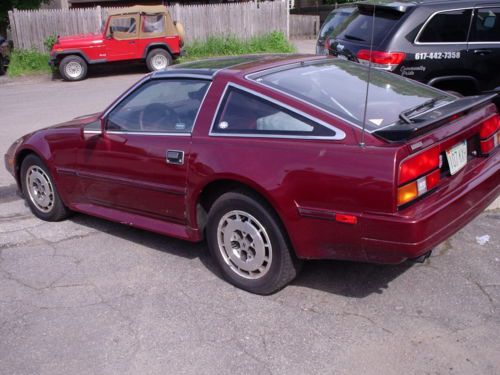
417 229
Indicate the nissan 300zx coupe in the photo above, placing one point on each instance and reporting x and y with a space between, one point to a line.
273 160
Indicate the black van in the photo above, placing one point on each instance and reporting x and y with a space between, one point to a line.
451 45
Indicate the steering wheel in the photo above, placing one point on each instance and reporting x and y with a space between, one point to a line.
158 116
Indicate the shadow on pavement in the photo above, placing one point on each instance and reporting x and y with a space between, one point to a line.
348 279
108 70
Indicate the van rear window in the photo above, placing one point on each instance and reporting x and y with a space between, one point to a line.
359 26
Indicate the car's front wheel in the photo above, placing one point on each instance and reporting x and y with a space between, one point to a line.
158 59
249 245
40 191
73 68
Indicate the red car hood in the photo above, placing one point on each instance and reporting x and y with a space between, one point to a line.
77 122
79 40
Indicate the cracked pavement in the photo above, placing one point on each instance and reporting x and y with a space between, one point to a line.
86 296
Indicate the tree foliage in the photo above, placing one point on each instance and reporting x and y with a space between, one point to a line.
6 5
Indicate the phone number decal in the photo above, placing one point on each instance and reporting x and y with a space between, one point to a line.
437 55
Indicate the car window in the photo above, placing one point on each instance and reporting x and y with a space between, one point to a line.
339 87
165 106
358 25
245 113
153 24
123 27
333 21
447 27
486 27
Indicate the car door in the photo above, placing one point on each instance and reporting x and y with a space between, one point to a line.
122 38
440 48
139 164
484 47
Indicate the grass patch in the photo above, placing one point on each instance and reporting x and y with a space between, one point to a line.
24 62
274 42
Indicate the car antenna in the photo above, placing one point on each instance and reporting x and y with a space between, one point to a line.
362 143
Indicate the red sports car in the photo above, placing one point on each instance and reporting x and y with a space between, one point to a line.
272 160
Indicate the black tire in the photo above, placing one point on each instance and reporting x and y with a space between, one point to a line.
79 65
283 266
57 210
160 53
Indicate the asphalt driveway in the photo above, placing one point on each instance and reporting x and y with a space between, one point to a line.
86 296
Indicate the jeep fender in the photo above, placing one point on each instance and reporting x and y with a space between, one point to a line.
151 46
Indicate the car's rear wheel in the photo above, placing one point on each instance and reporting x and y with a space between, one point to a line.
158 59
40 191
73 68
249 245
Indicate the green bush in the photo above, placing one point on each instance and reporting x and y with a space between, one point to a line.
24 62
50 41
274 42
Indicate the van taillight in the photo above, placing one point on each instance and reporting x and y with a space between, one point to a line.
326 46
418 174
489 134
380 59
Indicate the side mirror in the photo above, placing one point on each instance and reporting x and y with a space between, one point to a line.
92 130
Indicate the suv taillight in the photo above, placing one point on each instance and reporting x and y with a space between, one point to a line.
489 134
326 46
417 175
381 59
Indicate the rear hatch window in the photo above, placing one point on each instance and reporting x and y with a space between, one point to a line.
339 87
358 28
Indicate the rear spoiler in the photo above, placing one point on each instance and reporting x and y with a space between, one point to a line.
396 6
425 122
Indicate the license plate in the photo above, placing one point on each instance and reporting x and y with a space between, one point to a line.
457 157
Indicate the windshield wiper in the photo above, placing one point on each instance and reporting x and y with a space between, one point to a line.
352 37
403 116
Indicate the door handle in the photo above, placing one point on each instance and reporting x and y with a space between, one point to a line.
175 157
482 52
131 42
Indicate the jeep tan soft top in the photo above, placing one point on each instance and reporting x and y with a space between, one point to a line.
149 10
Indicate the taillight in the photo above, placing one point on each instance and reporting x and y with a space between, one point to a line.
381 59
417 175
327 45
489 134
418 165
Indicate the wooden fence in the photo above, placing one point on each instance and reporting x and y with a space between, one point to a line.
302 26
30 28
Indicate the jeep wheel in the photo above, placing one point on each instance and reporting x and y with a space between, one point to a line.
158 59
73 68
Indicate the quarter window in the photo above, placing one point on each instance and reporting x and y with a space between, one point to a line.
244 113
165 106
486 26
447 27
153 24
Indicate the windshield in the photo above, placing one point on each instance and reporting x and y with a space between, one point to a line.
333 21
339 87
359 26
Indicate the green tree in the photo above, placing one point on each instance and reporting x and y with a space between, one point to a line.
6 5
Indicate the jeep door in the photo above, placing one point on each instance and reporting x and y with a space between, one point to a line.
122 38
139 164
484 47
